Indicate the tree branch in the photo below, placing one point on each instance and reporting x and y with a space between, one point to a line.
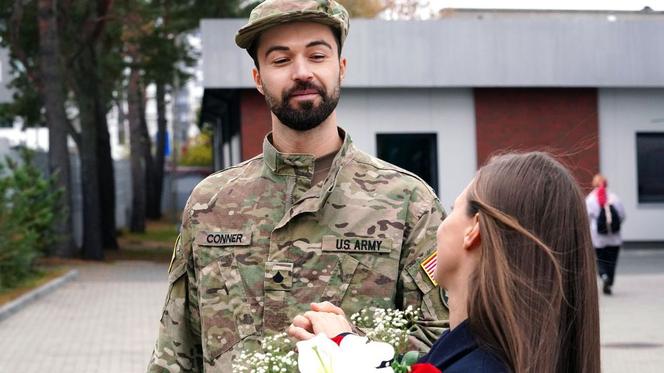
74 134
15 44
97 25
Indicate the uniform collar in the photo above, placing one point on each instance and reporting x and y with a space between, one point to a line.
313 197
287 164
295 164
344 155
344 152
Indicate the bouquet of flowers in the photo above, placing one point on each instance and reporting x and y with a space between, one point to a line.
381 350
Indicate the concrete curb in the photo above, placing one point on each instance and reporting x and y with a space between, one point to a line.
21 302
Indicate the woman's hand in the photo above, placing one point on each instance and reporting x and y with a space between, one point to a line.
323 318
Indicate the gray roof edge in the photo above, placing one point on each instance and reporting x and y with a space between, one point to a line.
526 52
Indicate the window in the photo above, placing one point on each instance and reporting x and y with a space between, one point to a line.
415 152
650 166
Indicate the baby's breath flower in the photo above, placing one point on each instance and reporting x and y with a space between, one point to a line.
276 356
387 325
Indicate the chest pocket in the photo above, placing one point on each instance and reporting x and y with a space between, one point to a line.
226 316
366 273
340 279
374 283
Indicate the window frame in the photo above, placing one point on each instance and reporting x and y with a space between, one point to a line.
642 197
431 138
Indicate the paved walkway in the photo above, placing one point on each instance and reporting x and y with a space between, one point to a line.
632 319
107 320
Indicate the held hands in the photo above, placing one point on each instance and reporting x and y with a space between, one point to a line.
324 317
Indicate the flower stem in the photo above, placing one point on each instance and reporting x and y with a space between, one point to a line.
315 348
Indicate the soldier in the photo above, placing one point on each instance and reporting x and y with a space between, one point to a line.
312 219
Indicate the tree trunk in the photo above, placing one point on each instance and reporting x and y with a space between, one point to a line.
137 156
122 117
85 88
53 98
148 160
106 177
158 176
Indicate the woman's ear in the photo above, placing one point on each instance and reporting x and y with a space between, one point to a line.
472 237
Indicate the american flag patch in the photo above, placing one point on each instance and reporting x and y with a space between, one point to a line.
429 267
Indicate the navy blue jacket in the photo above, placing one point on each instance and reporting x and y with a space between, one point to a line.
456 352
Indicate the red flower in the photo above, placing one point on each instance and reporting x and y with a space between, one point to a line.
424 368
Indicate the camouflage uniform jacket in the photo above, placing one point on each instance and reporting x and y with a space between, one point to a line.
259 243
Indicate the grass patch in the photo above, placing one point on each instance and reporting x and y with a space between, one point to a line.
155 231
159 255
41 277
156 244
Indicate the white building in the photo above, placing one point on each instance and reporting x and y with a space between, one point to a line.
440 96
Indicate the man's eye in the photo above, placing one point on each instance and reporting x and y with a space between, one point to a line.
279 61
318 57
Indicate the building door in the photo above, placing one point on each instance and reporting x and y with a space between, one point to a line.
415 152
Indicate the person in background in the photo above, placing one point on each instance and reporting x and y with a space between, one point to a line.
519 272
606 214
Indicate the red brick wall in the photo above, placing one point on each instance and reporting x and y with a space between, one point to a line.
255 122
563 121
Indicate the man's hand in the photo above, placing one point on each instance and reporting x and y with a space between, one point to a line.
323 318
327 307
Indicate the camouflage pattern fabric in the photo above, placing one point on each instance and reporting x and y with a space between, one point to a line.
259 243
275 12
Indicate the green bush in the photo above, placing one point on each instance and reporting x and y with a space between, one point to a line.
28 208
199 151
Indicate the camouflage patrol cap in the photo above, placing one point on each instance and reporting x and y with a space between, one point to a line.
271 13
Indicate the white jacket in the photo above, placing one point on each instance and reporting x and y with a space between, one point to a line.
592 205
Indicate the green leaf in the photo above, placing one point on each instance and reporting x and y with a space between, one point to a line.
410 358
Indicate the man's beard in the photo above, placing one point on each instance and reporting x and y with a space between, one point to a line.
306 116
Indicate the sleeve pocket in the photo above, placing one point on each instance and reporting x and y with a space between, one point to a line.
419 278
177 269
433 304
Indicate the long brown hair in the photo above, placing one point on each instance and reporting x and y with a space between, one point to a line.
533 298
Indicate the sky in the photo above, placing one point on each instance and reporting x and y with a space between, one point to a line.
657 5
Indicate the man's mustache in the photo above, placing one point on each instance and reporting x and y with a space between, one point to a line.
302 86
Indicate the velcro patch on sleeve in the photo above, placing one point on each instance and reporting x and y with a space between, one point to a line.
429 267
225 238
357 245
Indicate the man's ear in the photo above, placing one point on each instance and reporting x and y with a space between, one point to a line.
342 68
257 79
472 238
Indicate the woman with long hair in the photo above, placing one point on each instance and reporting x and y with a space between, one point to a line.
516 258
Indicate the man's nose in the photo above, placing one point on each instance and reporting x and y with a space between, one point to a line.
302 70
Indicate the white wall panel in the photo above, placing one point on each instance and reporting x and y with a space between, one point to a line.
623 113
447 112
